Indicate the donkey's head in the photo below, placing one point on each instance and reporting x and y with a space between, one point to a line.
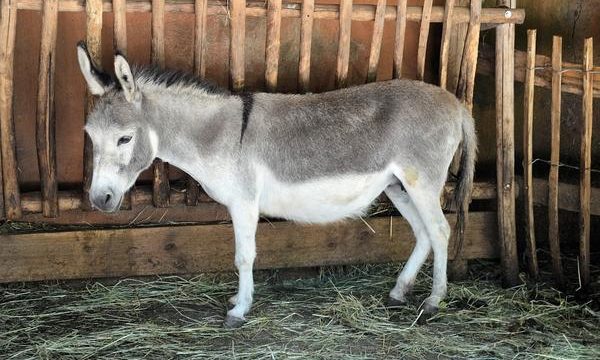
123 142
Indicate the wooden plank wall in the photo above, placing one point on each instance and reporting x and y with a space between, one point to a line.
80 249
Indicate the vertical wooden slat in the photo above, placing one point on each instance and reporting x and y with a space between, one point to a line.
306 28
120 25
528 154
505 147
376 41
586 162
160 185
93 39
45 121
553 234
458 37
201 10
273 44
343 54
8 24
466 81
238 35
446 33
399 38
423 36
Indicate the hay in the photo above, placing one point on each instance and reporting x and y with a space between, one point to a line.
337 315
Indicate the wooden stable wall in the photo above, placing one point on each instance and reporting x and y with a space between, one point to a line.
250 45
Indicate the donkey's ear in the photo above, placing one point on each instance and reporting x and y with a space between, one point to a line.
125 77
98 82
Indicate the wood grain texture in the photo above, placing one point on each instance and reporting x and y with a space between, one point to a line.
306 30
343 52
201 12
445 44
238 36
569 196
401 12
423 37
458 38
8 24
376 41
505 169
466 80
553 234
571 80
257 8
45 120
120 25
161 187
190 249
93 39
532 262
586 163
273 44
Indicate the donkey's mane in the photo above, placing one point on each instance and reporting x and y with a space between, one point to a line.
156 76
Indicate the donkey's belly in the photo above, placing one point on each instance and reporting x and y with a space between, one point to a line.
322 200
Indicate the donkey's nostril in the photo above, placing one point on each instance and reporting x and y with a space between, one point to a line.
107 199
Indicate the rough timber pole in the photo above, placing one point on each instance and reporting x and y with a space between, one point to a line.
505 147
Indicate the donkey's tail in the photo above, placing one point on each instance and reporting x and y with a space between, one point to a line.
462 194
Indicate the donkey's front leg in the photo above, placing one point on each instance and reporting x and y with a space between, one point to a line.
245 219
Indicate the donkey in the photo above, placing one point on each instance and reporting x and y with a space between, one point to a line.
313 158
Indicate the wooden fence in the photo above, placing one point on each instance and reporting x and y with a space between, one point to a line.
131 251
582 83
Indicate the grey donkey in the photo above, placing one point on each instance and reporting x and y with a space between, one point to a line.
313 158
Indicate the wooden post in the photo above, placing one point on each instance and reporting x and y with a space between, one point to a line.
466 81
273 44
446 33
93 39
505 122
238 36
201 11
423 36
401 11
161 188
120 25
343 54
308 8
458 38
586 163
45 121
8 25
553 234
528 154
376 41
192 191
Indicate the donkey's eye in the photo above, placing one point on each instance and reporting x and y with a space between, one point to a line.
124 140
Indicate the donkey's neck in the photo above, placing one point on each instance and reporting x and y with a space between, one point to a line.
192 128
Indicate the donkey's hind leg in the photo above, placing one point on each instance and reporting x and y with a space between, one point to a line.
427 202
406 279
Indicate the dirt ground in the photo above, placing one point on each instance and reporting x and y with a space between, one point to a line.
339 313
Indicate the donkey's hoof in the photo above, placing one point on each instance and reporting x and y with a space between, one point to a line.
429 309
233 322
392 302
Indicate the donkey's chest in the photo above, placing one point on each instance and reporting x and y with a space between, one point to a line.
321 200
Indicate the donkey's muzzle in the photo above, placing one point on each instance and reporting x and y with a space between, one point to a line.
105 201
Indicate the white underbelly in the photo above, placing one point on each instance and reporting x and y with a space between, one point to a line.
322 200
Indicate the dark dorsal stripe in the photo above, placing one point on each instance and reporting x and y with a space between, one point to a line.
248 103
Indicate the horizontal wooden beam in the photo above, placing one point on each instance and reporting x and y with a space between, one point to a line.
141 211
321 11
205 248
572 77
568 196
